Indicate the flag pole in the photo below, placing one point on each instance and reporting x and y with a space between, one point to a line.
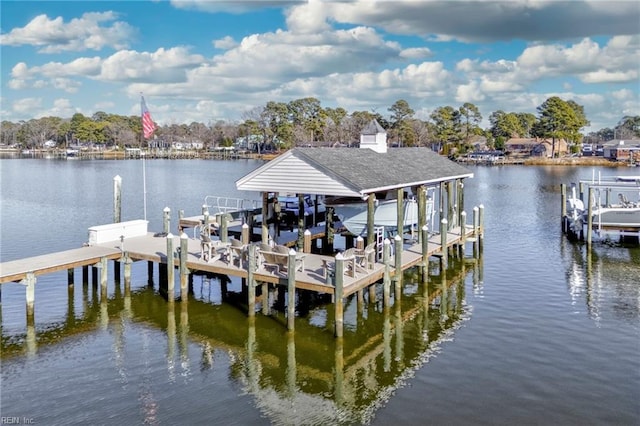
143 107
148 127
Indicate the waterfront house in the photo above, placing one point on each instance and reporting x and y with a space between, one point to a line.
627 150
535 147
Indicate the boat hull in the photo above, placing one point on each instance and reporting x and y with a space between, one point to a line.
623 217
353 216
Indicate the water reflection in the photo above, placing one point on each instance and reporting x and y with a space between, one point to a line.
605 280
306 376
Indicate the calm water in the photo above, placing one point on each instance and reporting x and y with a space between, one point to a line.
536 331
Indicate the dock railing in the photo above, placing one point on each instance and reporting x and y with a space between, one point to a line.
217 205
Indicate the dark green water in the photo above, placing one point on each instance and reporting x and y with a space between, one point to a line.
537 331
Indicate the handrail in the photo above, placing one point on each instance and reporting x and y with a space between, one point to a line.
216 204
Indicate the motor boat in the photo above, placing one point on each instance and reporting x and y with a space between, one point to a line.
620 215
353 213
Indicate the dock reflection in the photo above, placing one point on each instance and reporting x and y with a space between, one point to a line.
605 280
306 373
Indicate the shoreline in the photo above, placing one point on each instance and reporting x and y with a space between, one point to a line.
226 155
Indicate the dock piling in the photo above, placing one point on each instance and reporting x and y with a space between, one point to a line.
117 199
171 272
166 219
184 272
443 242
339 300
30 282
251 284
397 276
386 280
291 290
425 253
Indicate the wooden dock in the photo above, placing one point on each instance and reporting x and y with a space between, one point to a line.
337 276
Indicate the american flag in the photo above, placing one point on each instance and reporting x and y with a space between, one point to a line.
148 126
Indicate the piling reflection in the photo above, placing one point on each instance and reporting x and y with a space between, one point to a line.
605 280
307 373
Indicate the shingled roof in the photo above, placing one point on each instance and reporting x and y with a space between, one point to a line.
351 171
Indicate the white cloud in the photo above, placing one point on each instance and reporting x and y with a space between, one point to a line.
482 21
87 32
225 43
27 105
416 53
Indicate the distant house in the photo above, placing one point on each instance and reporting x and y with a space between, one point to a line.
534 147
622 150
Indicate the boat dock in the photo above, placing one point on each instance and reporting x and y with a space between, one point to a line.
604 208
225 241
337 276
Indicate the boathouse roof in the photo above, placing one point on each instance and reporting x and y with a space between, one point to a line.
351 172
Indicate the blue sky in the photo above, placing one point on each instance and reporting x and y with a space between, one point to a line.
210 60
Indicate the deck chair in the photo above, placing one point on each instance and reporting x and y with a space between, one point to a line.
366 257
273 260
237 250
206 247
349 256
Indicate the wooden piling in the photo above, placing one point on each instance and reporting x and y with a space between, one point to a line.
265 214
70 276
400 210
265 298
224 228
339 300
422 216
425 253
184 272
171 271
166 220
463 227
386 279
117 199
460 191
291 290
251 284
103 273
563 206
590 217
180 217
301 224
244 234
476 222
371 206
306 248
150 273
397 276
30 282
443 242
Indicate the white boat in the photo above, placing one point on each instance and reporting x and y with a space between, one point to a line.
353 214
610 213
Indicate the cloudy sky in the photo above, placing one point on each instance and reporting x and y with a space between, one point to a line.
206 60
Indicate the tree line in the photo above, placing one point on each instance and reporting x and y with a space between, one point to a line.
304 122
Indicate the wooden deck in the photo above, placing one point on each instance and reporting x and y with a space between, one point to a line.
17 270
153 249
